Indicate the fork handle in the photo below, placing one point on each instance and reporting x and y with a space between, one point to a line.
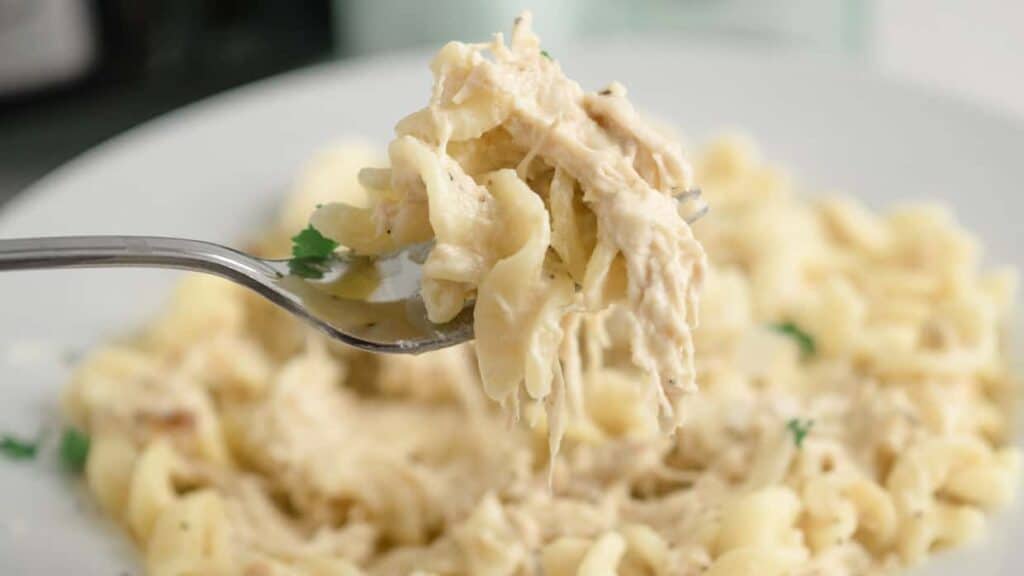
129 251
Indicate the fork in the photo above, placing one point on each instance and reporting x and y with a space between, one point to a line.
372 303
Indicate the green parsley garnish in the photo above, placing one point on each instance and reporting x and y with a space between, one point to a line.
18 448
545 54
799 429
310 252
806 342
310 243
74 449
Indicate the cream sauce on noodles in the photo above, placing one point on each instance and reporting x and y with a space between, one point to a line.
533 188
230 438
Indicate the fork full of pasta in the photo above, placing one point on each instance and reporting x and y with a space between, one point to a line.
370 302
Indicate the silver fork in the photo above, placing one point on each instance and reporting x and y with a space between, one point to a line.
369 303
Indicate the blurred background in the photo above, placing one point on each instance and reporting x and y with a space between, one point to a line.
76 72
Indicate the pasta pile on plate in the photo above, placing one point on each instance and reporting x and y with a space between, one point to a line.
231 439
851 418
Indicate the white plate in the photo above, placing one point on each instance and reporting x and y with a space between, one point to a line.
215 170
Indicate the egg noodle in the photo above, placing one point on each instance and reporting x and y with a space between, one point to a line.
852 417
530 187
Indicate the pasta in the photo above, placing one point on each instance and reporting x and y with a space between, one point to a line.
852 417
530 187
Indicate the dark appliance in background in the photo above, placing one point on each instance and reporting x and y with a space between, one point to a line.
75 72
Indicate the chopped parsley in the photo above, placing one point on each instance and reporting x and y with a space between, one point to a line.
18 448
310 243
545 54
74 449
800 429
310 252
808 348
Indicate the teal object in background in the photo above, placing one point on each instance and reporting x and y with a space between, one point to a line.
838 26
367 26
819 25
